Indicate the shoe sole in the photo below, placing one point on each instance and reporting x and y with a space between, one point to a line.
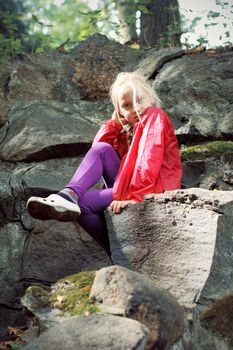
46 211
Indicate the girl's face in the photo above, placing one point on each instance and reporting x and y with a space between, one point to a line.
127 108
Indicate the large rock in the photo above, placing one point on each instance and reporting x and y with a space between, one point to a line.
22 180
54 250
40 179
68 297
96 62
196 91
98 331
13 240
151 63
182 240
208 165
120 290
40 132
7 212
177 238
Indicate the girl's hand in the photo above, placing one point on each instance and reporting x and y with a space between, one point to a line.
121 121
116 206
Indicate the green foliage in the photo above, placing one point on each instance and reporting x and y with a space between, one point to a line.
71 20
173 29
16 39
15 346
40 41
202 41
194 23
166 39
10 45
212 14
206 150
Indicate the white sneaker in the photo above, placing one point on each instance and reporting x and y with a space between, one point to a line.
54 207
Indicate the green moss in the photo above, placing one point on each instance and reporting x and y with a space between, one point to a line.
40 296
71 295
209 149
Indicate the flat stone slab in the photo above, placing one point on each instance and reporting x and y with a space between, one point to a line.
178 239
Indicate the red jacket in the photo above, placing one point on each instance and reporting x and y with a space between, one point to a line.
152 163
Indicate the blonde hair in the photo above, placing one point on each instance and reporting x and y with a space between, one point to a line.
136 83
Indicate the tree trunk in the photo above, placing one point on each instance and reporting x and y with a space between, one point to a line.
161 26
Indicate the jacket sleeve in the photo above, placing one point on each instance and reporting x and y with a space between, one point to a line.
108 132
150 158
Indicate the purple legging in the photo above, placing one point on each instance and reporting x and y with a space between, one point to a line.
100 160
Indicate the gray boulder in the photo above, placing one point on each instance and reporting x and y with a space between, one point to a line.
54 250
154 60
120 290
172 237
13 239
196 92
38 132
182 240
208 165
99 331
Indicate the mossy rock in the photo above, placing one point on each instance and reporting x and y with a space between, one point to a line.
69 296
36 297
206 150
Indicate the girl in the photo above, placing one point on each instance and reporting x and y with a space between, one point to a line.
136 152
